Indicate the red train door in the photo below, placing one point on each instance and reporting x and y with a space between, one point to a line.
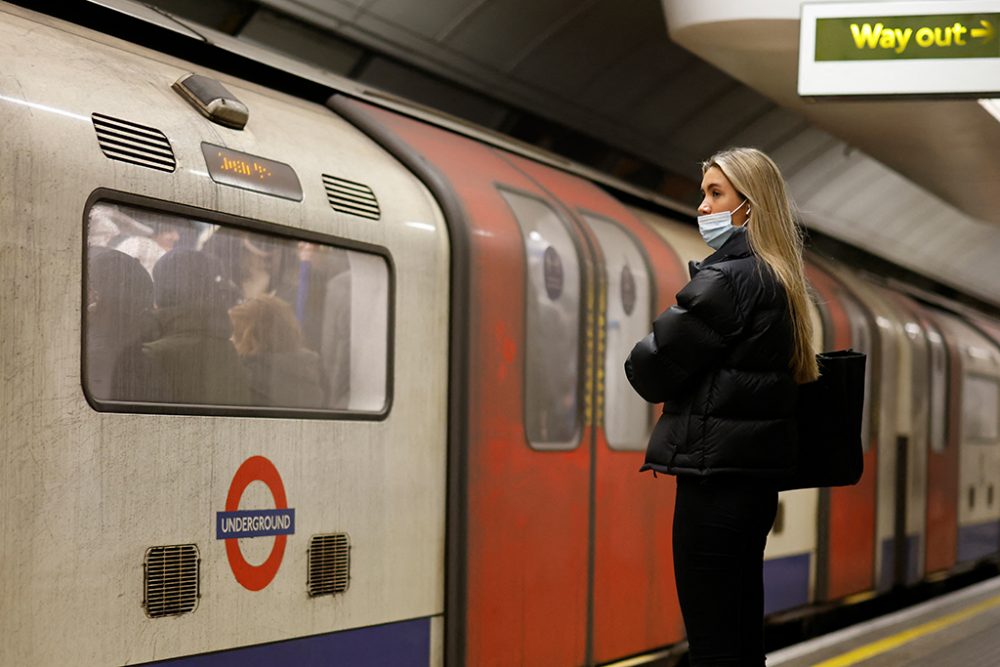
633 602
942 455
519 458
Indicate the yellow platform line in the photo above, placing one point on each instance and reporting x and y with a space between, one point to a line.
893 641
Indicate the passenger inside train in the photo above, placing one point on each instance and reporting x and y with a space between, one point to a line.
187 312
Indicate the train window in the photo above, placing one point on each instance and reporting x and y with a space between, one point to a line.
938 413
627 418
980 405
187 315
552 325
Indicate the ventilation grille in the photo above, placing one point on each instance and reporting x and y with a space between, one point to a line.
350 197
133 143
172 577
329 564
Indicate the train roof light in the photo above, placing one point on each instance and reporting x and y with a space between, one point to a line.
213 100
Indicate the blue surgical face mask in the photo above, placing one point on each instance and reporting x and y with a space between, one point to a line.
716 228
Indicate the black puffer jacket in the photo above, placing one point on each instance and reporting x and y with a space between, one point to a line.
719 362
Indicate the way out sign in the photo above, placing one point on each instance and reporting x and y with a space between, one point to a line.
940 49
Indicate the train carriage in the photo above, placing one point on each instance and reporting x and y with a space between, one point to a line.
428 453
974 414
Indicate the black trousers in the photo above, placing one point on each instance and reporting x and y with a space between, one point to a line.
720 528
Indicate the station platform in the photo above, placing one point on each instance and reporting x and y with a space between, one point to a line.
961 628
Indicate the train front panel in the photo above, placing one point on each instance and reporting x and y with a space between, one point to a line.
225 371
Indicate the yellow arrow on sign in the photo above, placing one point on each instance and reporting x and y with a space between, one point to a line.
986 31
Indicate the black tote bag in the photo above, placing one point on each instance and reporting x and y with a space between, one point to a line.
829 421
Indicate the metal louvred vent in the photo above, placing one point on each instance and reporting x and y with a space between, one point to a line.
329 564
171 577
130 142
350 197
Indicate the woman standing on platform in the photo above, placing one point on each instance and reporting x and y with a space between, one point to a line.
726 361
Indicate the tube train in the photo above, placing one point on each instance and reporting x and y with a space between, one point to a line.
287 382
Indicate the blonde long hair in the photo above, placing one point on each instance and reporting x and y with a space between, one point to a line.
776 239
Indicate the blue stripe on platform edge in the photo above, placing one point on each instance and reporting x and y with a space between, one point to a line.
978 540
786 582
405 644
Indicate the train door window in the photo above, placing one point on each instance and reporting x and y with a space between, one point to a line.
196 315
627 418
980 407
552 325
938 413
861 340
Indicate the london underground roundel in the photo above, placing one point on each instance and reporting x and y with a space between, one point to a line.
236 523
